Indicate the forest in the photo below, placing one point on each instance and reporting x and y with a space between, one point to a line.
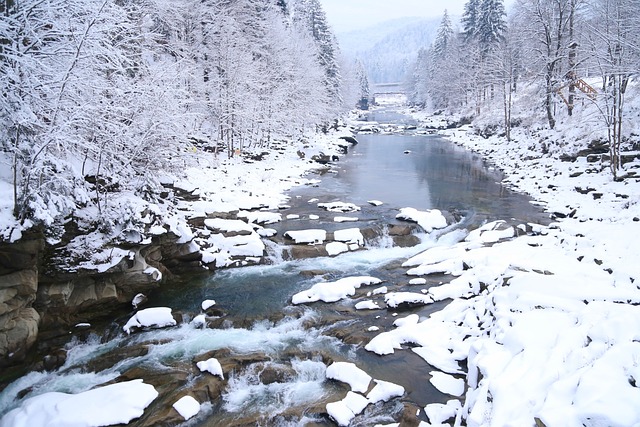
100 95
558 55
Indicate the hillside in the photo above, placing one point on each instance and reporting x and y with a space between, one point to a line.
389 49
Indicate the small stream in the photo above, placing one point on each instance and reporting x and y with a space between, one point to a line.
262 333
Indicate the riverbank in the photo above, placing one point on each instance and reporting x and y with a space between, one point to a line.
91 264
547 324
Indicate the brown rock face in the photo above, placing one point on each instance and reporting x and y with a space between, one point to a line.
19 321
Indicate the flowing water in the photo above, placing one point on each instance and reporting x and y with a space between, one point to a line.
262 333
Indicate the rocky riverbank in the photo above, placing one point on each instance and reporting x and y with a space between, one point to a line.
88 270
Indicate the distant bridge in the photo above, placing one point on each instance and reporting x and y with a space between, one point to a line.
389 94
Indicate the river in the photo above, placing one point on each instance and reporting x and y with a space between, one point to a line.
275 355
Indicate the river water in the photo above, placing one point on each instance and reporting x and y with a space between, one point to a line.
263 332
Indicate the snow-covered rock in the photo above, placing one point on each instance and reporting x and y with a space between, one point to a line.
428 220
212 366
349 373
156 317
187 406
334 291
103 406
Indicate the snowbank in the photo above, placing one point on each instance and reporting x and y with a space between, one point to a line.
104 406
545 318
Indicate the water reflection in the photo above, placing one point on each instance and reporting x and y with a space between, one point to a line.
426 172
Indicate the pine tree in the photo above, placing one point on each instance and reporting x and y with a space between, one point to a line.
309 16
491 23
363 86
444 37
470 19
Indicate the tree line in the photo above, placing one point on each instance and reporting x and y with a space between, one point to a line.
104 93
554 46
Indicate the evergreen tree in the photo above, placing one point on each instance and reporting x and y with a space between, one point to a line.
363 86
470 19
309 16
491 23
444 37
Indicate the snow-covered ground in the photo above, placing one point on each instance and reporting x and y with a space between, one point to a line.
548 323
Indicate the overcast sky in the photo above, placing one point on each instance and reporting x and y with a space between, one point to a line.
344 15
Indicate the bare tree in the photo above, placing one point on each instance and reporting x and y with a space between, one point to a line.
615 35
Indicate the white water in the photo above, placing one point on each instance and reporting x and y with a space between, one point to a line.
246 394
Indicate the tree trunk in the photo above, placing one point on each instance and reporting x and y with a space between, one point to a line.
572 59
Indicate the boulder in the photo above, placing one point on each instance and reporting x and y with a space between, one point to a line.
307 251
19 321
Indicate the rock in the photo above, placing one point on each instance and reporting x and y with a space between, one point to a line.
313 273
138 300
350 139
19 321
307 251
323 159
276 374
54 360
408 417
401 230
18 333
406 241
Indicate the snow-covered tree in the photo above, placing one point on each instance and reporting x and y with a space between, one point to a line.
545 26
444 37
471 19
616 40
309 16
491 23
101 95
363 85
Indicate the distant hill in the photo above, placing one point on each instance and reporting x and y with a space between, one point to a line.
388 49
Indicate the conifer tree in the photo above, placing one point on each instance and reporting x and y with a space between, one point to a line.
491 23
470 19
444 37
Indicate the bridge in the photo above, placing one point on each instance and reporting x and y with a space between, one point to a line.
389 94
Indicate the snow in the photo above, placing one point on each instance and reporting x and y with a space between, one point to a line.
345 410
207 304
546 322
428 220
446 383
259 217
336 248
345 219
187 407
349 373
156 317
313 236
367 305
334 291
438 413
228 225
109 405
384 391
339 207
212 366
395 299
350 235
375 202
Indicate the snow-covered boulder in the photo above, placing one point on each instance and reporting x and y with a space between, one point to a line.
157 317
428 220
103 406
334 291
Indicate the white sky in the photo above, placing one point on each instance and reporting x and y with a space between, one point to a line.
344 15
